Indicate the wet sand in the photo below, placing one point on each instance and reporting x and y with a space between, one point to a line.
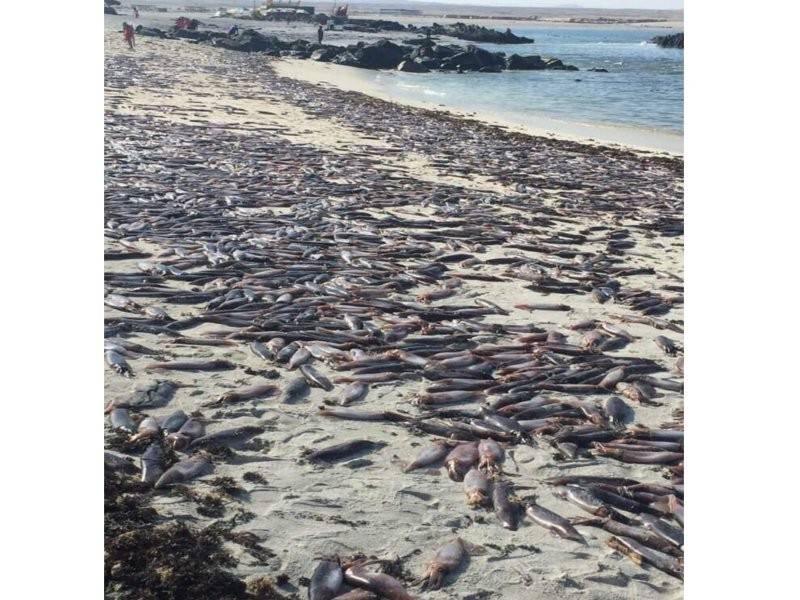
304 511
358 80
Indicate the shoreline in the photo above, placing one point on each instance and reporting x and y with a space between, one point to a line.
629 138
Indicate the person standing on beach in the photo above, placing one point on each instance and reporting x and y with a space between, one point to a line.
135 13
320 33
127 34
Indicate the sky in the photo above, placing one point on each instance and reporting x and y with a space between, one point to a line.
667 4
664 4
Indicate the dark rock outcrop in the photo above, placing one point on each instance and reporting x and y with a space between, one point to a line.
412 66
555 64
515 62
326 54
150 32
193 34
474 59
109 10
382 54
474 33
674 40
249 40
372 25
346 58
419 42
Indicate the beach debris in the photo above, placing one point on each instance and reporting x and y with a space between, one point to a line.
185 470
447 559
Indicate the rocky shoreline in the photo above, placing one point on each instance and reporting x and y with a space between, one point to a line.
421 56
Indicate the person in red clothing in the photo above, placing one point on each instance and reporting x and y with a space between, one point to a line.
127 35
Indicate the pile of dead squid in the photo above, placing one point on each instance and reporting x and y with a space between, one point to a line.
324 277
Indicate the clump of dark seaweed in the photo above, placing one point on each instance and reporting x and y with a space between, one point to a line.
147 559
254 477
209 504
227 485
263 588
121 442
125 504
170 561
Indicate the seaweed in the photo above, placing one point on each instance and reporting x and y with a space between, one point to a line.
227 485
482 595
253 477
121 442
249 541
208 504
148 559
125 506
170 561
505 551
263 588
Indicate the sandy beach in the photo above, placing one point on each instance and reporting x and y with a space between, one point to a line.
209 150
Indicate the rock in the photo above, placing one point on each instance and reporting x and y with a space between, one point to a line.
475 33
301 46
372 25
410 66
596 70
347 59
296 53
419 42
382 54
150 32
461 61
325 54
674 40
474 59
436 51
192 34
250 40
109 10
428 63
534 62
555 64
445 50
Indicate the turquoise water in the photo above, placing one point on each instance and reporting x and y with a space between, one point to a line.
643 89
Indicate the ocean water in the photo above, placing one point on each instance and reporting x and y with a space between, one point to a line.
638 102
643 89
